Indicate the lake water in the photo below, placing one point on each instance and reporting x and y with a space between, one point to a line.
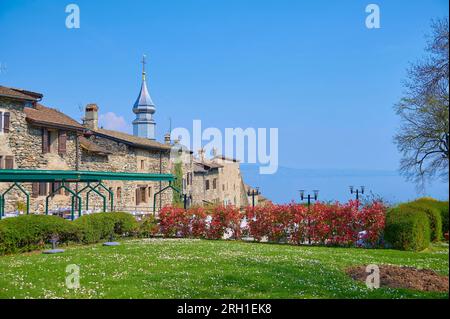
333 184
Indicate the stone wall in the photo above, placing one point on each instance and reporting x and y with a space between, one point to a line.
24 142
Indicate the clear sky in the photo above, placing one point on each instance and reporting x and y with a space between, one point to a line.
310 68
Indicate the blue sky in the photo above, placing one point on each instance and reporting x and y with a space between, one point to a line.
310 68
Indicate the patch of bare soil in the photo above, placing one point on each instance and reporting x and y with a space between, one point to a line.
404 277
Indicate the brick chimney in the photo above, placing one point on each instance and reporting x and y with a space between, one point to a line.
91 117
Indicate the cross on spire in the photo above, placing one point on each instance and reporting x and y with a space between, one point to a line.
143 66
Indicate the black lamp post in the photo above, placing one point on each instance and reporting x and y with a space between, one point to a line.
308 197
357 191
253 193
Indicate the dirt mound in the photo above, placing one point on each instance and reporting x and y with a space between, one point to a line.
404 277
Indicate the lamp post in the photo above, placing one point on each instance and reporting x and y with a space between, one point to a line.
253 193
357 191
309 198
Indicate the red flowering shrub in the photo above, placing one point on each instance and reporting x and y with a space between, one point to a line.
174 222
322 223
258 222
299 228
373 219
198 225
222 219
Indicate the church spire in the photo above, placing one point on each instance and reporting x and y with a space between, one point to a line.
143 67
144 125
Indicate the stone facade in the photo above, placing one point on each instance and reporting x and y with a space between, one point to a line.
218 181
24 143
42 138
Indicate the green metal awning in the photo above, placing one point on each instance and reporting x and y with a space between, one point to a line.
25 175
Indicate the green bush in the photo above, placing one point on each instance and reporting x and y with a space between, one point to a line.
148 226
31 232
445 216
443 209
99 226
407 228
434 217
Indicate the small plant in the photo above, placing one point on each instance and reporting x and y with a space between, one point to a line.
21 207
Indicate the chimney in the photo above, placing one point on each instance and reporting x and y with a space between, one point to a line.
91 117
167 138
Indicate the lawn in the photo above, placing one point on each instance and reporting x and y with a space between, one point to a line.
165 268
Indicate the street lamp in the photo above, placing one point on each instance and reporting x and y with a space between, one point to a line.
253 193
357 191
308 197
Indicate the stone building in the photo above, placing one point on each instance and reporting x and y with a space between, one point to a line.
33 136
217 181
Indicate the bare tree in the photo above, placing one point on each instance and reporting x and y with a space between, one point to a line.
424 111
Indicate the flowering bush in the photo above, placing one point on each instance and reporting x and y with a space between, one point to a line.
327 224
198 224
323 223
174 222
224 218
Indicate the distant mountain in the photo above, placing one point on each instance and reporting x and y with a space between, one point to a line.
333 184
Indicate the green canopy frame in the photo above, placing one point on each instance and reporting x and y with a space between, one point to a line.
92 189
18 176
95 189
2 198
74 195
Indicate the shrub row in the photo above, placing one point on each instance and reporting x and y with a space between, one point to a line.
31 232
413 225
329 224
407 228
199 222
326 224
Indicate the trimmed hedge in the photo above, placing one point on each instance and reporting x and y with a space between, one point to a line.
443 209
31 232
407 228
434 217
99 226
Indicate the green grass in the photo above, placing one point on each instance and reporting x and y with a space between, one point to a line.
164 268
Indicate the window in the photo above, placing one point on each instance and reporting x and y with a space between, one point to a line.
214 183
55 186
142 164
2 166
119 193
43 189
207 184
223 187
54 141
5 118
6 162
141 195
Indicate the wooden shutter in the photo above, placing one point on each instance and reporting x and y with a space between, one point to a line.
35 190
9 162
42 189
6 120
45 146
62 139
1 121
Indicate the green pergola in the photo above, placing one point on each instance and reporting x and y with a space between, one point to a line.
18 176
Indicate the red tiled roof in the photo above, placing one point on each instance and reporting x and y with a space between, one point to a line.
51 117
131 139
19 94
90 146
